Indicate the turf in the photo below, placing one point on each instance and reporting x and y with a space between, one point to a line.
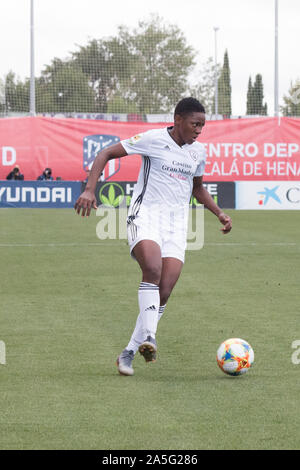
69 304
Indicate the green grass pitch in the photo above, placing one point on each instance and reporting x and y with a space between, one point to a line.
68 307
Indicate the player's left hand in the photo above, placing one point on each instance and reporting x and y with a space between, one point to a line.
226 221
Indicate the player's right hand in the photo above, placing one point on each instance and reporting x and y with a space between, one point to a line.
85 203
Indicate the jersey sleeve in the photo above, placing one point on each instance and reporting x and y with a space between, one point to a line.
140 144
201 165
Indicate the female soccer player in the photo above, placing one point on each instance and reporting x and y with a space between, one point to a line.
172 169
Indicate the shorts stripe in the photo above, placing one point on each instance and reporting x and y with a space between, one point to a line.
137 203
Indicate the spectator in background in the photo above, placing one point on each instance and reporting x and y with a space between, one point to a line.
46 175
15 174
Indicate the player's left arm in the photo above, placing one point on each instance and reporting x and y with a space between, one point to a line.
203 196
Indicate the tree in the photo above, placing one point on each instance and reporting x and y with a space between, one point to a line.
255 96
140 71
250 98
106 63
160 66
118 104
63 87
204 91
292 100
224 88
144 70
258 96
16 93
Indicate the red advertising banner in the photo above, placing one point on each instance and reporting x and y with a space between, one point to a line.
237 150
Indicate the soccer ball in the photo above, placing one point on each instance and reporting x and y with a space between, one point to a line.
235 356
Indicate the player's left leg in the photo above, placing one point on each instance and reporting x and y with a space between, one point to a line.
171 270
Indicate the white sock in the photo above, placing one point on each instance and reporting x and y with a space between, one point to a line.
149 305
161 311
146 324
137 336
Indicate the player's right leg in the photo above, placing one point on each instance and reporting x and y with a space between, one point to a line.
170 272
148 255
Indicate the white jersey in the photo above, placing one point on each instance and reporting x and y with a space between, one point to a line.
167 171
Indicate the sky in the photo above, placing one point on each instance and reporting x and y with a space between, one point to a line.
247 29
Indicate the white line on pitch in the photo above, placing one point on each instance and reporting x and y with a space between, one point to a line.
252 244
12 245
106 243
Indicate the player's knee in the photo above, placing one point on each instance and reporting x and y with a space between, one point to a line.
152 274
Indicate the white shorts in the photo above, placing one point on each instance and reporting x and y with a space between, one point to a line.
172 241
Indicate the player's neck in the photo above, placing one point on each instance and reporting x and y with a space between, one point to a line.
175 136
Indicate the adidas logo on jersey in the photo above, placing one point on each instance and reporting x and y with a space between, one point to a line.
151 308
167 147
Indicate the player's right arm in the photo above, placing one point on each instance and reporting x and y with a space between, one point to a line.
87 200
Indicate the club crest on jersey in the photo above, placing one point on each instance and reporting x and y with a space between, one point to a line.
193 155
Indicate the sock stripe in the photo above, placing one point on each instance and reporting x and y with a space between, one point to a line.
148 286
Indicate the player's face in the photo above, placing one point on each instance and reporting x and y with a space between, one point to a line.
190 126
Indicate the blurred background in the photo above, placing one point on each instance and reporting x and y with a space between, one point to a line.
134 60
